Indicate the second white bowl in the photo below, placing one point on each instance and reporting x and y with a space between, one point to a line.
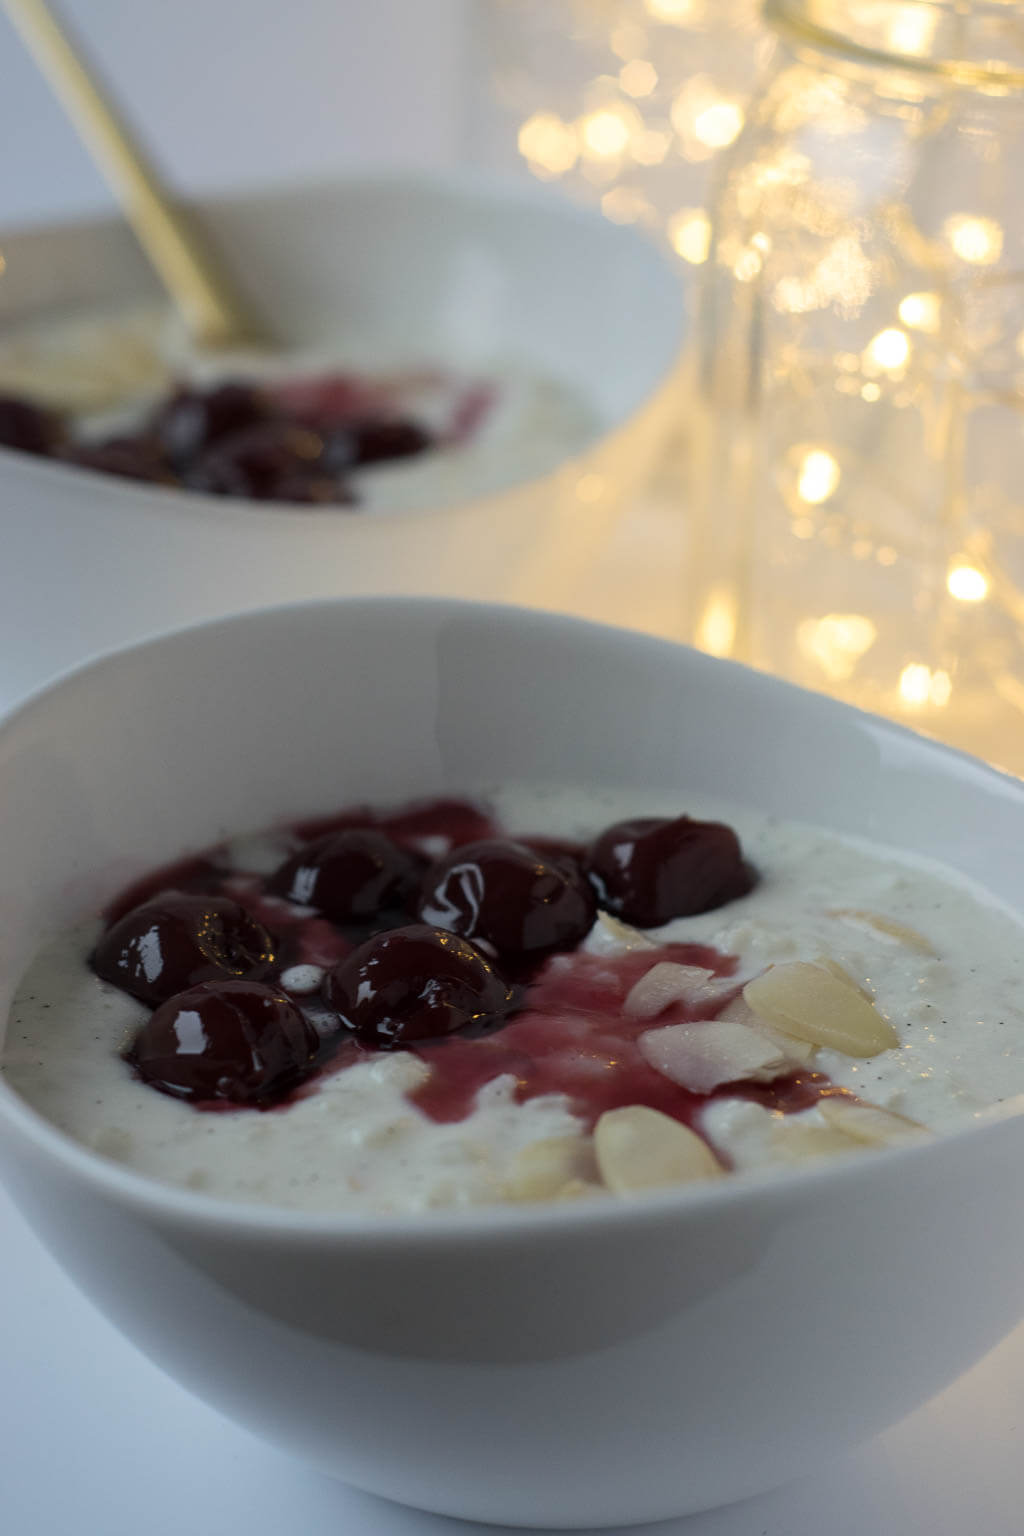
459 270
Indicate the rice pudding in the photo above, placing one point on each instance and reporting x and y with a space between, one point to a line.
124 393
809 996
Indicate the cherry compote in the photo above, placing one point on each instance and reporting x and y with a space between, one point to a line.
352 876
264 442
192 420
651 870
472 962
237 1042
180 939
521 905
416 983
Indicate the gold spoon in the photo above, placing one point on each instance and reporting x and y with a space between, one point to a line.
216 316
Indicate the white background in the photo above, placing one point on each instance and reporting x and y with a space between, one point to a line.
243 92
94 1441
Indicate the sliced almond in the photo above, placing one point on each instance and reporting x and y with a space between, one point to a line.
543 1169
754 1137
702 1056
739 1011
796 1142
868 1123
669 982
664 984
640 1148
842 974
618 936
889 926
815 1004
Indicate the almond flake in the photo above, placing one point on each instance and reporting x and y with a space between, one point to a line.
617 936
702 1056
739 1011
801 1143
889 926
664 984
842 974
754 1137
640 1148
813 1003
868 1123
543 1169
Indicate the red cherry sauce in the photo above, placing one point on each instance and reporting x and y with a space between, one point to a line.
569 1036
572 1037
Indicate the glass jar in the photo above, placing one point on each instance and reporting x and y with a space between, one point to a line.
860 478
628 102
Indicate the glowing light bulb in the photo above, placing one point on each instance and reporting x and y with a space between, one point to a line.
837 642
548 144
921 311
676 12
911 30
819 476
890 349
975 240
690 233
716 632
919 686
747 266
605 133
718 125
967 584
638 77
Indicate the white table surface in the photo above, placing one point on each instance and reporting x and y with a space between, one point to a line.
94 1441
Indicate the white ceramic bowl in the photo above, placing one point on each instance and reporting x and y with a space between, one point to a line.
455 269
578 1365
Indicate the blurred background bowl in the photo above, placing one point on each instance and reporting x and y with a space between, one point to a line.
457 270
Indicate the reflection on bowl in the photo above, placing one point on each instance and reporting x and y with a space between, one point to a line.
571 1365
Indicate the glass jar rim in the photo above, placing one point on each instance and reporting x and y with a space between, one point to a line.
949 40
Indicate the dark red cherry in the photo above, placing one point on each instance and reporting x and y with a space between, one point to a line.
350 876
651 870
389 439
416 983
133 458
259 462
523 904
177 940
192 419
231 1040
27 427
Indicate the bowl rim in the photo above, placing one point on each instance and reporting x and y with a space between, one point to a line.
146 1196
465 185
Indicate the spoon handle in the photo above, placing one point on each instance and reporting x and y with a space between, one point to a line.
215 315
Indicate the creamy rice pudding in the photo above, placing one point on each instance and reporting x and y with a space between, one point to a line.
541 994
